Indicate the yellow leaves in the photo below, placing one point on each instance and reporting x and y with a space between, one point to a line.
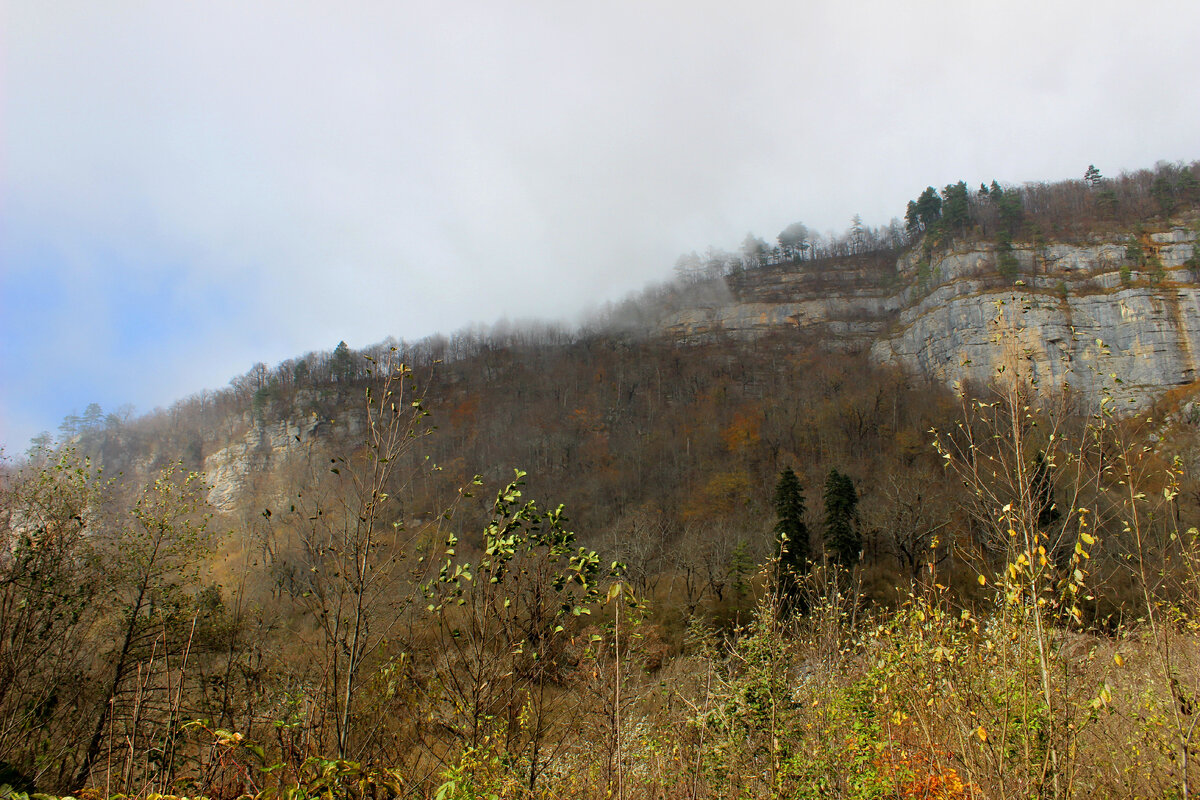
982 580
1103 698
1120 662
722 495
982 733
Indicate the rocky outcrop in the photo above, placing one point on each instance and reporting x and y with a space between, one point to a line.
1081 315
847 316
266 444
844 304
1136 342
233 470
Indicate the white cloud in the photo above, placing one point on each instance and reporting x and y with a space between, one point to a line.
355 170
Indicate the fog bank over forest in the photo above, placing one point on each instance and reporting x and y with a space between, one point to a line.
193 190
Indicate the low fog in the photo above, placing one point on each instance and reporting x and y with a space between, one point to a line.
189 188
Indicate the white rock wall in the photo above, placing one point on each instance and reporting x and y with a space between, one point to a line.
941 320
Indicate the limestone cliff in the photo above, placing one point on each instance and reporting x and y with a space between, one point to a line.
1075 313
264 450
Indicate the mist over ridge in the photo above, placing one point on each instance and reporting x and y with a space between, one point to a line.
199 190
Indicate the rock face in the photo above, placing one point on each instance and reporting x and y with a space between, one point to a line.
1148 337
262 451
1076 315
229 469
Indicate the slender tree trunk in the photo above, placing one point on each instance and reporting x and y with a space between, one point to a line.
352 665
93 749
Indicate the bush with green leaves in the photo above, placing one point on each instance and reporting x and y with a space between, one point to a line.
504 623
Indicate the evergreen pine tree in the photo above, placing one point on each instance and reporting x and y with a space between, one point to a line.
1009 205
857 233
929 207
956 208
841 524
1187 187
342 363
1043 492
791 536
912 218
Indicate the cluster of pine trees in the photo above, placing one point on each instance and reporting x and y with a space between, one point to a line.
843 541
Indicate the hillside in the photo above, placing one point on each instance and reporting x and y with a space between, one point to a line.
790 559
1096 278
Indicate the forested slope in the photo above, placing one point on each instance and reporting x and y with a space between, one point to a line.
783 565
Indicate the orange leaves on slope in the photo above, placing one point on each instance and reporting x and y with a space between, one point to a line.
918 776
742 433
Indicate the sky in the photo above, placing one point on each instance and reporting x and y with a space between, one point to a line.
187 188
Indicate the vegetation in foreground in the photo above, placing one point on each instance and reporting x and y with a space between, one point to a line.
411 663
